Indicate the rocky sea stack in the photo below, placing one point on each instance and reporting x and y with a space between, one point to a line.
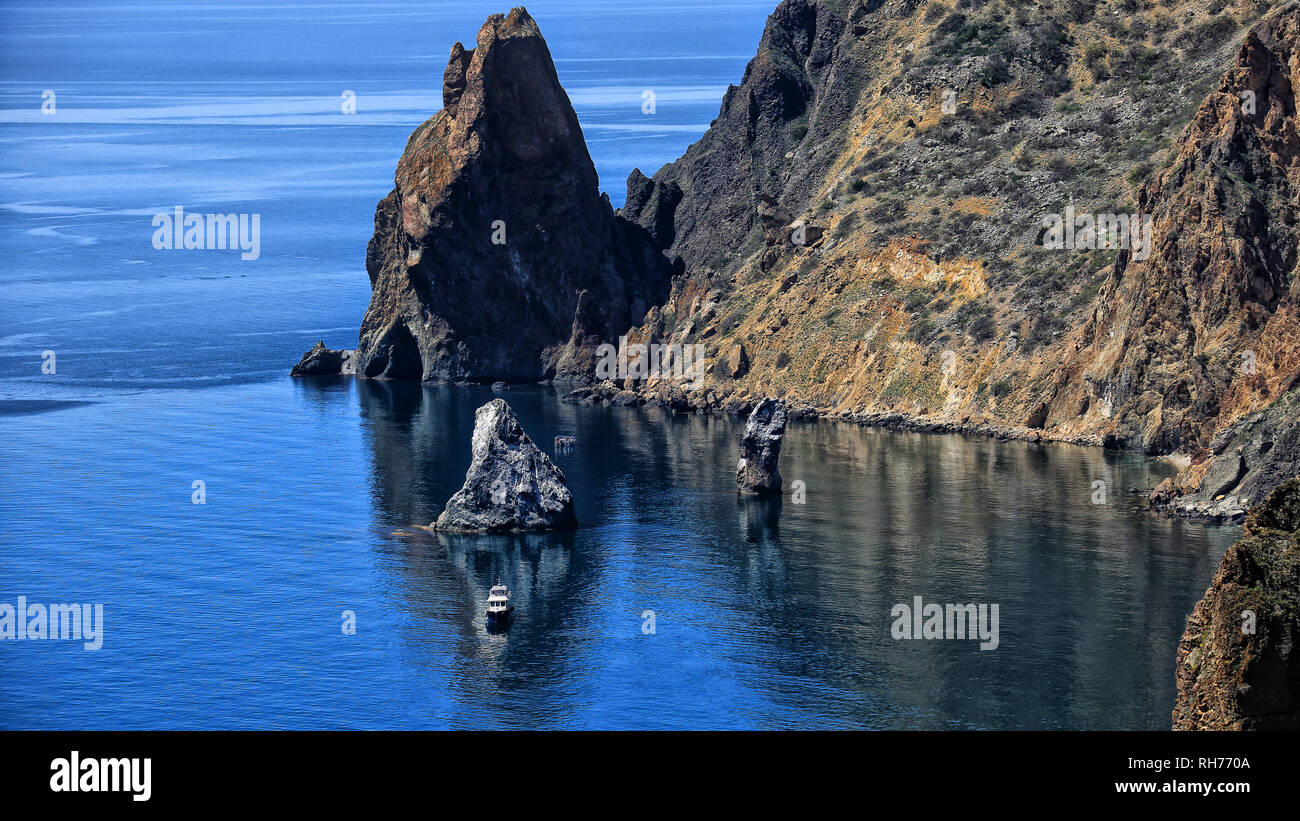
760 448
511 485
1239 659
496 256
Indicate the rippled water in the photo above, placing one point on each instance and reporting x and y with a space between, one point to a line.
171 368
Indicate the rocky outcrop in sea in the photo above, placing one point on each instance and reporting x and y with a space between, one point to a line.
496 256
1238 662
511 485
760 449
322 361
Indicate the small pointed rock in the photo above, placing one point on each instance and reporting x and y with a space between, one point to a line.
511 485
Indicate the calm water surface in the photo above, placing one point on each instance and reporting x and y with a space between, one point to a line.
767 614
171 368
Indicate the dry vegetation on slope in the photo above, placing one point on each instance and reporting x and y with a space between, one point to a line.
926 219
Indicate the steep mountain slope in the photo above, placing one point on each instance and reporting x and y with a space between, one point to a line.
923 147
1207 328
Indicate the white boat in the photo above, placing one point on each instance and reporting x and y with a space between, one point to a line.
499 608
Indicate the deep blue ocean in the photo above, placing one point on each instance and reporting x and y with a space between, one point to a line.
171 367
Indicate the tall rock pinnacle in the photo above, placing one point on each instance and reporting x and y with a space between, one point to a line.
496 256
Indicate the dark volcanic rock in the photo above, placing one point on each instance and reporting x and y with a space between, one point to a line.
703 206
761 447
496 256
321 361
511 484
1232 674
1245 462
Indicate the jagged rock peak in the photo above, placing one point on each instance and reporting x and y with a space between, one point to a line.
703 205
497 29
518 23
511 485
453 77
496 257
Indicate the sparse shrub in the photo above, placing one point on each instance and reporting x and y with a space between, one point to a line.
886 211
1139 173
1062 168
982 328
921 330
1094 59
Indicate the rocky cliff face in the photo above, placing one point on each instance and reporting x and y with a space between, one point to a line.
863 226
1245 461
1239 660
496 256
1207 328
861 232
800 88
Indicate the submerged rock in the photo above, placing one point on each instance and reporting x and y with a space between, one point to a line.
322 361
1239 659
511 484
761 447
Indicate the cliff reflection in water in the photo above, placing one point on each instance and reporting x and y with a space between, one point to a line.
777 613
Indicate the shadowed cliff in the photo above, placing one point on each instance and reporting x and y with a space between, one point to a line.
1239 660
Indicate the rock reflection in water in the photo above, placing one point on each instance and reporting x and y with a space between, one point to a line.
775 612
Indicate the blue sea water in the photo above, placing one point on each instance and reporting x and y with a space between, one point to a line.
171 368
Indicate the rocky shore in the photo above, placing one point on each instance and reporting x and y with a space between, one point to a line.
1238 664
671 398
806 243
1243 464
